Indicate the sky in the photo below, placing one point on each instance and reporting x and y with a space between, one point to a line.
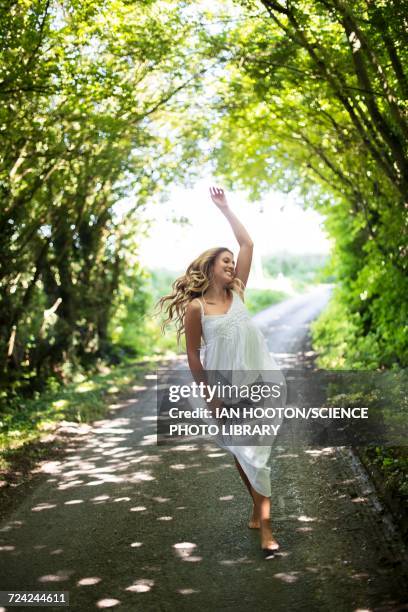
275 224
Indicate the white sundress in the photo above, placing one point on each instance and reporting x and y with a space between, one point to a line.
233 343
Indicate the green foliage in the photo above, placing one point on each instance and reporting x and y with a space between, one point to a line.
302 270
393 462
365 324
259 299
127 324
313 101
93 110
389 468
106 100
161 281
135 326
384 395
335 335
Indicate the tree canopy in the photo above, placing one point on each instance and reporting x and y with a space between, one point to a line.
92 111
102 101
313 99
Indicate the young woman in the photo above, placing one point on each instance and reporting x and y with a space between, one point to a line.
207 303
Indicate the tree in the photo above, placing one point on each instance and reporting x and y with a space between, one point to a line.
313 99
86 89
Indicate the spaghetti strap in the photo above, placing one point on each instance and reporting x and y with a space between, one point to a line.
202 307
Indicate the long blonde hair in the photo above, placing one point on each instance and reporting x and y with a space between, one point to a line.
191 285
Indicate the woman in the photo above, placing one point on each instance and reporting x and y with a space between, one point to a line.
207 302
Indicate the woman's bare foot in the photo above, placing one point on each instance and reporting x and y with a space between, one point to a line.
267 540
254 520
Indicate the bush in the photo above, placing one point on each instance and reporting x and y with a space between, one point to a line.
259 299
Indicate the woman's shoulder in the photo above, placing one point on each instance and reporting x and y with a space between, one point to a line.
193 306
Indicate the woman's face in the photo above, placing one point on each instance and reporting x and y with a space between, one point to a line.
224 268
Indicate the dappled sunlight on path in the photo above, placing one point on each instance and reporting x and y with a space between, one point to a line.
122 523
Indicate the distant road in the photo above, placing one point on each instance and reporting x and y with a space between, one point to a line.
286 325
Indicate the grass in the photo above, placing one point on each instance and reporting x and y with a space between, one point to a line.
259 299
387 466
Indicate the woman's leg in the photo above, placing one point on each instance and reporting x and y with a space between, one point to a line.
261 512
254 520
243 476
263 509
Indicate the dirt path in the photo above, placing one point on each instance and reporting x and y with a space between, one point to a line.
124 524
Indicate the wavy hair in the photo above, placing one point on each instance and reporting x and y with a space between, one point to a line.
191 285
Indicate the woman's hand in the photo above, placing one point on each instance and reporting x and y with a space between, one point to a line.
214 407
219 198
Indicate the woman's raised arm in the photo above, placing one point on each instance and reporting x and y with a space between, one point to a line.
244 260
